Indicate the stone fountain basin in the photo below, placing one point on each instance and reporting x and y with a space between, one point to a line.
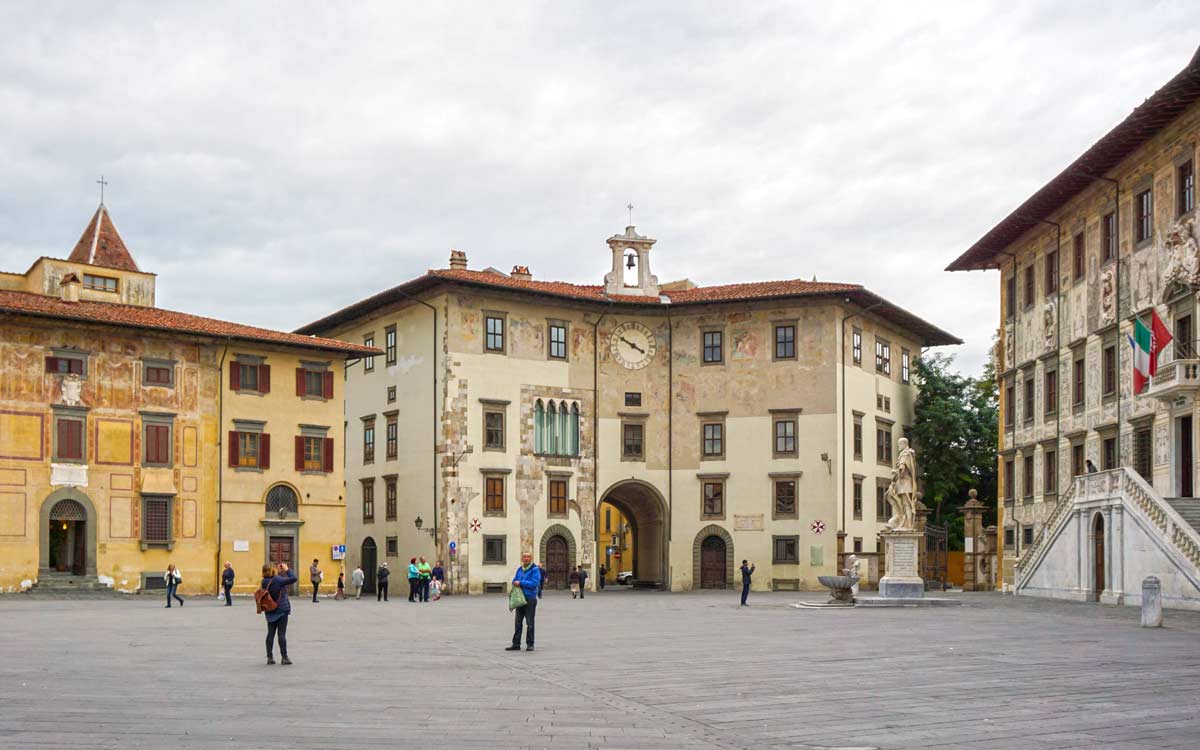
837 582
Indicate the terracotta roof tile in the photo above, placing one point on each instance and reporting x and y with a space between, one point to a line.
154 318
101 245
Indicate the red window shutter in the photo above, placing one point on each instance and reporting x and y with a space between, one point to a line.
299 453
233 440
264 378
150 444
164 444
264 451
51 364
299 381
77 440
235 377
75 366
327 392
327 463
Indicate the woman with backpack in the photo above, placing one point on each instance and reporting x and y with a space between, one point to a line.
173 579
275 588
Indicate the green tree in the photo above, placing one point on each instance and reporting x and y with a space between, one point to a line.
955 438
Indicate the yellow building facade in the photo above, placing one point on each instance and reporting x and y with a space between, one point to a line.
132 437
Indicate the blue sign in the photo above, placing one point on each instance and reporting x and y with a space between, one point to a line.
453 545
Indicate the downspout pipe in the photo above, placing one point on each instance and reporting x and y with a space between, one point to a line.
596 421
221 449
842 351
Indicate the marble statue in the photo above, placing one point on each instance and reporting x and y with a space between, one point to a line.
72 390
1108 295
1183 258
1010 358
1049 320
902 492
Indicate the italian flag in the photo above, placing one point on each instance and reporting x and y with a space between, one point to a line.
1147 343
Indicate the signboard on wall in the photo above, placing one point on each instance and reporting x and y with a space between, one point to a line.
752 522
241 545
339 551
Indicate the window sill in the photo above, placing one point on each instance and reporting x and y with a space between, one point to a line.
496 562
786 517
310 397
704 517
248 392
251 469
495 449
790 454
558 515
494 514
714 457
74 461
634 459
148 465
785 562
1143 244
167 545
318 472
856 518
369 520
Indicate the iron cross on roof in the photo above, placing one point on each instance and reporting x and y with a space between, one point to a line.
101 182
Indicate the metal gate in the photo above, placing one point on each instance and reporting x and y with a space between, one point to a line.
933 567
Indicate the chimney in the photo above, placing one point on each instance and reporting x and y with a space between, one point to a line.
522 273
458 260
69 288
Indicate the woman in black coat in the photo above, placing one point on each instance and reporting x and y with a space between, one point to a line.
276 584
381 583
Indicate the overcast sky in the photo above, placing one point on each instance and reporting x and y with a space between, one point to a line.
272 163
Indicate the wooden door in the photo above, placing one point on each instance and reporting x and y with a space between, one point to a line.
369 564
1185 457
79 559
1098 552
557 563
712 563
282 551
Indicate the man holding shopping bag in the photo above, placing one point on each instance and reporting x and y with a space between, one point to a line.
526 582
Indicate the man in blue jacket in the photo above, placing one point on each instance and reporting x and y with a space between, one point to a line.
529 578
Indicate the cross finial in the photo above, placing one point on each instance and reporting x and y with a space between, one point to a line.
101 182
630 207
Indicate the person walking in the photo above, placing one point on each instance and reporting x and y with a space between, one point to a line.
747 571
529 578
600 576
583 576
573 582
541 577
439 575
425 572
341 586
315 575
173 579
381 582
227 577
358 578
276 583
414 580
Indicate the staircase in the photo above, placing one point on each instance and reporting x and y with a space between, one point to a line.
1188 509
69 586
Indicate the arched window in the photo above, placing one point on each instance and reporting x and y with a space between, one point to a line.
539 427
574 429
282 498
564 433
552 429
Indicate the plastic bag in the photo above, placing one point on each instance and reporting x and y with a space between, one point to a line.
516 598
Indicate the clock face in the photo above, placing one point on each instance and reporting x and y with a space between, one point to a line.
632 345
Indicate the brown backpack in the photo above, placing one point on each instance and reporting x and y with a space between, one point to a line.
263 600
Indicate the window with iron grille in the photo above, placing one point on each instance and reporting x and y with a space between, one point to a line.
1009 536
1186 186
1143 226
786 550
714 498
495 334
1027 535
493 549
156 518
368 500
785 342
494 496
785 437
714 439
389 494
631 442
1108 236
714 347
558 497
558 341
389 344
856 346
1142 461
785 498
282 498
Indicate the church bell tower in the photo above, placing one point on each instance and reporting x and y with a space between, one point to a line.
631 250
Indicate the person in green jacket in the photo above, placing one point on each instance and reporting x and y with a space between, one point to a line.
414 580
425 571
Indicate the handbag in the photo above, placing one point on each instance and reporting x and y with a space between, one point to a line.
263 601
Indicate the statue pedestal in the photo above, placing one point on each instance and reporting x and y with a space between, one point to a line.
902 578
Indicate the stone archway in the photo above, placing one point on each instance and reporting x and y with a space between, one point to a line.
712 530
646 511
557 540
71 506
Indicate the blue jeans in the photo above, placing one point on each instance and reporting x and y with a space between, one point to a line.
171 593
745 591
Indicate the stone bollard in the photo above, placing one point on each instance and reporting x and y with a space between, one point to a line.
1151 602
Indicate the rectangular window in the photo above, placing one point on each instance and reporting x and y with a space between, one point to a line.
1050 396
248 445
1110 370
858 498
785 498
883 445
714 347
1077 382
558 498
156 519
1010 406
858 438
493 429
156 445
1185 179
558 341
858 544
493 503
64 365
313 453
1009 480
313 382
1185 347
883 357
856 346
1008 539
389 344
608 519
905 366
1051 271
631 441
250 376
714 499
1109 453
1027 535
883 509
1030 288
369 442
369 361
1010 296
99 283
785 437
392 430
393 546
1108 236
633 399
1049 472
785 550
389 494
1143 205
1077 257
1078 467
155 375
495 333
785 341
391 394
1029 399
714 439
368 500
68 444
1142 459
1027 478
493 549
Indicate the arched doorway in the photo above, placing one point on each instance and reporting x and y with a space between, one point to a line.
712 558
1098 580
557 566
68 537
645 513
369 564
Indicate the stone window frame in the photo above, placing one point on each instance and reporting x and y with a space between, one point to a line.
718 479
391 394
858 545
389 343
552 478
720 331
1143 187
883 356
369 425
856 443
78 414
885 457
1108 436
856 341
1078 256
369 359
1109 234
1109 344
1029 279
368 499
1027 534
391 496
1143 426
66 353
1028 395
629 419
883 509
163 364
1009 476
712 418
488 539
633 399
252 427
1009 413
1050 391
158 419
168 543
391 435
1028 474
779 416
503 318
857 496
490 407
790 477
792 323
1010 537
501 476
1185 157
1052 271
391 546
90 282
565 325
1078 378
1050 465
776 558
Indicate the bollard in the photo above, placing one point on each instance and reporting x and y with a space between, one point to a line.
1151 602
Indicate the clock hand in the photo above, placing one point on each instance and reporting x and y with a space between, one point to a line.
635 346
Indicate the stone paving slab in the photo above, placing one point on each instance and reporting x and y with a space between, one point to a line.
637 670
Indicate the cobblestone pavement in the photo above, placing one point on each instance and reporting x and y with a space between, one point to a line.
616 670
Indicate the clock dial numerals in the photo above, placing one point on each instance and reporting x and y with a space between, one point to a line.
632 345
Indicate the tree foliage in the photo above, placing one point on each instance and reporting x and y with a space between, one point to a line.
955 438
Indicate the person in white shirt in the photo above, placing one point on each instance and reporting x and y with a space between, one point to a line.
358 578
